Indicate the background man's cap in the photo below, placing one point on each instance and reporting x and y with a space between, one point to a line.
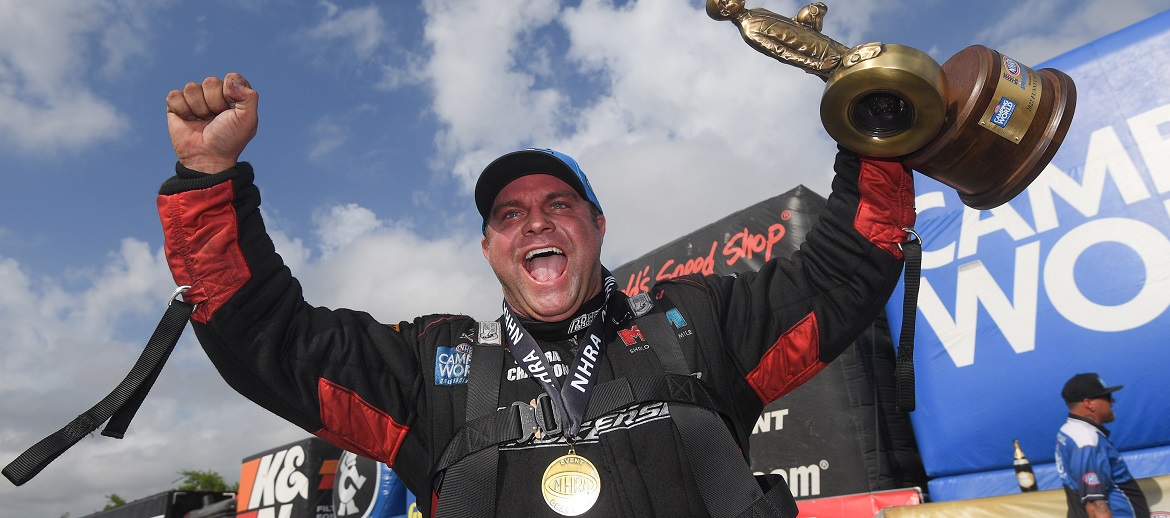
1086 386
513 165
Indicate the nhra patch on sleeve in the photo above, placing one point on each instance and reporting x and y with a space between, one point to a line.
452 364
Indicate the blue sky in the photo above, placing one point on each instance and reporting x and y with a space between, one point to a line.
374 120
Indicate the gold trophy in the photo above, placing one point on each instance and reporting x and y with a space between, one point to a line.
981 123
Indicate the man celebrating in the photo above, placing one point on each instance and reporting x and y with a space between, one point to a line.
1097 483
578 400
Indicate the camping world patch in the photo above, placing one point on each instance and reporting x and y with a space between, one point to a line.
452 364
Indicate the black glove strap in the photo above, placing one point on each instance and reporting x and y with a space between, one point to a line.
118 407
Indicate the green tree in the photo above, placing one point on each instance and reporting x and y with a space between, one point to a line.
197 480
113 500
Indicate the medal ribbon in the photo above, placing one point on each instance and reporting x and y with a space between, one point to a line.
570 400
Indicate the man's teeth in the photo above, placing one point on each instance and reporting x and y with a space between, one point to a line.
545 250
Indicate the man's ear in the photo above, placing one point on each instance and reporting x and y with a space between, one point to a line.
483 244
601 224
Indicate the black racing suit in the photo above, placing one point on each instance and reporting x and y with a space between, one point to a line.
396 392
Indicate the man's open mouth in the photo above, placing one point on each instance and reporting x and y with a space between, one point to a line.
545 264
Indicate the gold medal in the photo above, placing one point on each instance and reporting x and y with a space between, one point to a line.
571 484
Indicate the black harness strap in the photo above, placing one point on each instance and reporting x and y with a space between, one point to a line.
724 479
518 421
670 355
119 406
472 479
723 490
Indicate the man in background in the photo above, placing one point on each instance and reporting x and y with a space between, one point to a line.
1096 481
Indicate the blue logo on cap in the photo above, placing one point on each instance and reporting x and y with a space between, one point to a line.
568 160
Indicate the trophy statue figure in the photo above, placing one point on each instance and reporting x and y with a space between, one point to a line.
981 123
797 42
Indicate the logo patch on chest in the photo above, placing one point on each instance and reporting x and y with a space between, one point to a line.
631 336
452 364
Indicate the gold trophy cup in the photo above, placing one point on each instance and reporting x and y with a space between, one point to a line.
981 123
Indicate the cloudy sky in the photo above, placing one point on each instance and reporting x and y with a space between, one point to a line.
375 120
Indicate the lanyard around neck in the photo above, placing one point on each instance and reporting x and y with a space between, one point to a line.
571 398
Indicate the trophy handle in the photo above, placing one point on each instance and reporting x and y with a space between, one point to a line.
885 100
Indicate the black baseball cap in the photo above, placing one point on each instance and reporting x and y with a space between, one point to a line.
1086 386
516 164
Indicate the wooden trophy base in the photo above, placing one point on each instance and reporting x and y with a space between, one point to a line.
978 151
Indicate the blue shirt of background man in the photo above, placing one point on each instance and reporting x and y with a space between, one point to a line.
1091 468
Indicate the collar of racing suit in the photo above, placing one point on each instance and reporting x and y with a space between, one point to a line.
571 328
568 328
1090 421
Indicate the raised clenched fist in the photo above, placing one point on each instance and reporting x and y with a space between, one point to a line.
212 122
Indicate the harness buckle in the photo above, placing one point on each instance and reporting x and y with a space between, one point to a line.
538 418
527 416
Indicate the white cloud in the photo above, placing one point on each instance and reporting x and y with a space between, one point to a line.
50 52
482 93
394 273
328 136
343 224
362 28
410 72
